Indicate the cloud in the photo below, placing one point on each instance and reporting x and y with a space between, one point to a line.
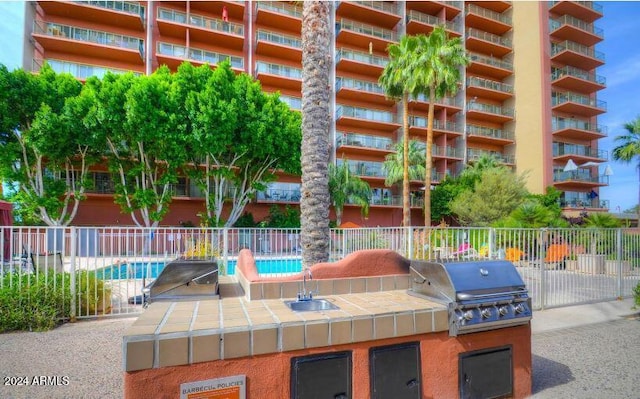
623 72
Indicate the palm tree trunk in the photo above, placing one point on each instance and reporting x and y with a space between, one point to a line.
428 160
316 64
406 206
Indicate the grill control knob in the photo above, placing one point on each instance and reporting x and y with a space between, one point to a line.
468 315
486 313
519 308
503 310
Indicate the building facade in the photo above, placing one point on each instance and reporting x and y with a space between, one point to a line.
529 95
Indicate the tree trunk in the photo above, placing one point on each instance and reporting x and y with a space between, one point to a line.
316 66
428 160
406 206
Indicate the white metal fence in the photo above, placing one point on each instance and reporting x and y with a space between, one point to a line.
103 269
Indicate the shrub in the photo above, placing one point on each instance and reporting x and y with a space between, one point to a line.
636 295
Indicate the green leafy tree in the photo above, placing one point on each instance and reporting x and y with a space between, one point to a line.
316 117
602 220
345 188
440 59
239 138
498 193
629 150
398 82
47 148
394 163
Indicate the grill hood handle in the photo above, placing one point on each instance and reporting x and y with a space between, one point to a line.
464 296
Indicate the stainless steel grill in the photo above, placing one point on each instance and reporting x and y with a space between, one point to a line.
480 296
184 279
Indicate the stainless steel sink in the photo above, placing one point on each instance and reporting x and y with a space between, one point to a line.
310 305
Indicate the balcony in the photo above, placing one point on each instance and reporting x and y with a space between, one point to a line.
360 62
577 129
361 90
487 135
366 118
581 178
295 103
491 89
572 103
577 80
365 169
474 155
280 76
88 42
580 154
418 22
575 30
587 11
235 9
584 202
80 71
172 23
490 21
489 112
277 45
123 14
421 103
361 144
173 55
277 13
450 9
487 43
438 151
361 35
378 13
489 66
495 6
418 126
571 53
279 195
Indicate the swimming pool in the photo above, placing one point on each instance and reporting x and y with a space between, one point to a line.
152 269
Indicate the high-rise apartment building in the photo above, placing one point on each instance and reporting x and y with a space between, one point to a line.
529 95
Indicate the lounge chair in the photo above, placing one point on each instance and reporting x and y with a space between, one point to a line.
556 255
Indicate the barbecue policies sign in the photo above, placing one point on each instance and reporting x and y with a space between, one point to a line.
218 388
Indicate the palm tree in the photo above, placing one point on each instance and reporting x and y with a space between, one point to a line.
440 60
344 187
629 149
397 82
316 117
394 163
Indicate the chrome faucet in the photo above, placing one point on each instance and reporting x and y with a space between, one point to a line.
306 296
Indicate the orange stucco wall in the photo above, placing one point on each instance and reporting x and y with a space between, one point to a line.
268 376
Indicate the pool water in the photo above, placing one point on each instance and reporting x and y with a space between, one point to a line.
139 270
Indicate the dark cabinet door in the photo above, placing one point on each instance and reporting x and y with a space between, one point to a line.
323 376
486 373
395 371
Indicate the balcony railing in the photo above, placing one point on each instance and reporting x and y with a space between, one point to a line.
278 38
365 29
362 85
280 8
195 54
81 71
448 101
589 4
568 70
200 21
90 36
421 122
432 20
491 109
490 84
578 150
293 102
441 151
279 195
365 168
364 141
364 113
490 132
497 62
584 202
475 154
575 22
124 6
580 176
577 48
489 14
390 8
361 56
489 37
277 69
563 123
561 98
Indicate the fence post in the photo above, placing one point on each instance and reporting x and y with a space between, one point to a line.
225 249
72 283
543 274
619 261
409 238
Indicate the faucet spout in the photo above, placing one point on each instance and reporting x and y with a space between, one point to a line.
306 295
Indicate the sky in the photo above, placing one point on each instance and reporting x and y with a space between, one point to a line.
622 71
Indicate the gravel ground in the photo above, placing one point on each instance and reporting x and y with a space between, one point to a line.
599 361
